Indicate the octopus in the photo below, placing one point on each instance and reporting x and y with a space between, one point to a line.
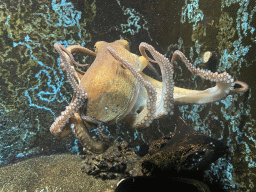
114 88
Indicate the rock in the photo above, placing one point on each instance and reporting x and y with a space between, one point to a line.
119 161
184 153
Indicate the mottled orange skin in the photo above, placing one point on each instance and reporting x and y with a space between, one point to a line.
112 89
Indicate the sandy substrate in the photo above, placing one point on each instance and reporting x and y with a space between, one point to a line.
51 173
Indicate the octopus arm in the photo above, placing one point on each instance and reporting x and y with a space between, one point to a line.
212 94
165 104
60 126
147 115
80 129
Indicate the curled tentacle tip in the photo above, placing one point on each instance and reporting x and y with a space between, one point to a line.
243 87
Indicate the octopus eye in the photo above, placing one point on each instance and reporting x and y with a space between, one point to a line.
127 46
95 48
98 45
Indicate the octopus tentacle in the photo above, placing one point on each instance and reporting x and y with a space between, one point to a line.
78 48
71 113
147 115
100 127
208 75
80 95
165 105
142 48
79 128
59 124
71 73
89 119
244 87
153 69
224 83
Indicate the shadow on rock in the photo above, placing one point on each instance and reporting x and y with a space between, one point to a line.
184 153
